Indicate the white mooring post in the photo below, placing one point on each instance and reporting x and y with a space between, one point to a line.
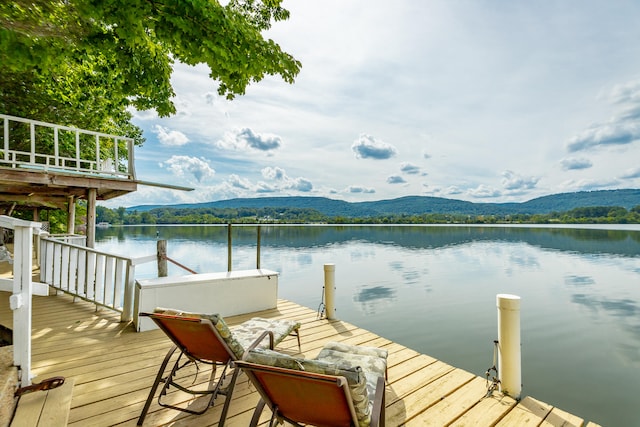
329 290
509 355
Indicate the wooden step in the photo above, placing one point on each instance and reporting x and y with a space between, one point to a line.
44 408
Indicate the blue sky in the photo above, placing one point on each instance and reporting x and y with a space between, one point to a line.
486 101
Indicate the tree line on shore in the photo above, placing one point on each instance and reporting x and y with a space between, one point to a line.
57 219
287 215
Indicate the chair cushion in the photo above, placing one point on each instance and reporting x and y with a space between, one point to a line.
356 378
372 361
247 332
242 336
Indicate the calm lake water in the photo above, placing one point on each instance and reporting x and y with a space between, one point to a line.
433 289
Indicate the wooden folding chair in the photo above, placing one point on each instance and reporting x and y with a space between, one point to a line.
303 397
199 340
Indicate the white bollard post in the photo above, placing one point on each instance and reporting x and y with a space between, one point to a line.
329 290
509 354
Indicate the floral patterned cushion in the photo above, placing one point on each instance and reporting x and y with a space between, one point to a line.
242 336
247 332
262 356
372 361
338 359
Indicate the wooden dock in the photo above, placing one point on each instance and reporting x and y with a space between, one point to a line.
113 367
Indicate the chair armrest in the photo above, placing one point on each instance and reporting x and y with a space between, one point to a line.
257 342
377 412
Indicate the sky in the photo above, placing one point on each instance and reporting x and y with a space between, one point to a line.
485 101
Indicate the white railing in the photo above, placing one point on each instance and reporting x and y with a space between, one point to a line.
58 148
102 278
20 300
74 239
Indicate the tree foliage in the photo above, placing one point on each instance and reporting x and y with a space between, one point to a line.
84 62
291 215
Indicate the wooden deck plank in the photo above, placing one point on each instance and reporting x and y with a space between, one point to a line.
452 406
559 418
486 411
44 408
113 368
409 405
528 412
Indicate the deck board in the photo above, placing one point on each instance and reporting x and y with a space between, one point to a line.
113 367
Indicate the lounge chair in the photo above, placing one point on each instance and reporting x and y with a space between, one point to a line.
343 386
207 339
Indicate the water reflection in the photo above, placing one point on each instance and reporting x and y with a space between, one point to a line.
411 277
524 260
579 280
620 242
623 307
627 314
304 259
370 299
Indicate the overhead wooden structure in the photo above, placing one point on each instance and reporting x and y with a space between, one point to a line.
44 165
39 189
48 166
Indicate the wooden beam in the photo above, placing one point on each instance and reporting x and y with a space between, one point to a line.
91 218
71 215
36 200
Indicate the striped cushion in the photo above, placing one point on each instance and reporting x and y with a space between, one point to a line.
242 336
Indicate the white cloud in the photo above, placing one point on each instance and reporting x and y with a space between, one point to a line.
453 191
238 182
589 184
514 181
170 137
355 189
368 147
574 163
623 128
184 165
628 92
147 195
409 168
611 133
484 192
631 173
274 173
302 185
246 138
395 179
284 182
264 187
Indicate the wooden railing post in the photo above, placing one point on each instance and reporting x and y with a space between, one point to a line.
129 293
91 217
259 238
229 246
162 258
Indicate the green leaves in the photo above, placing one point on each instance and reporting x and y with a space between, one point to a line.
83 62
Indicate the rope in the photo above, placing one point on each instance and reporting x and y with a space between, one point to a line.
178 264
321 307
493 385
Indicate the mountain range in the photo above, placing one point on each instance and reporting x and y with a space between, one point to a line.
415 205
